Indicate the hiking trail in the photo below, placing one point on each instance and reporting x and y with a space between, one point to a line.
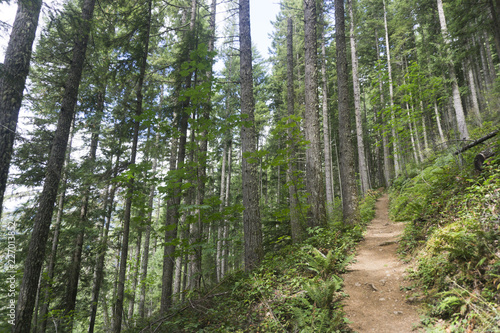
375 281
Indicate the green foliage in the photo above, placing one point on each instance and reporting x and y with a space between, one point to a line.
452 231
297 288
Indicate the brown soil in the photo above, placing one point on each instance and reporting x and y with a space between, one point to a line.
377 302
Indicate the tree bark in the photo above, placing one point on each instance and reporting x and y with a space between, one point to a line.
250 182
220 227
295 225
385 141
15 69
363 168
135 275
348 186
316 214
41 225
327 146
395 145
457 102
473 94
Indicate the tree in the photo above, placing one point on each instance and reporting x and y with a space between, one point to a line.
363 168
297 232
41 226
13 75
130 188
395 146
457 101
314 181
348 186
327 146
251 215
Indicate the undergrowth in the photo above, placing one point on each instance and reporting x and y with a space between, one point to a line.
296 288
452 231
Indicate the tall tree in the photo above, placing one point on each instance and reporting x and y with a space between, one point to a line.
457 101
296 227
327 146
363 167
177 159
395 145
346 158
13 75
314 181
41 226
130 186
250 182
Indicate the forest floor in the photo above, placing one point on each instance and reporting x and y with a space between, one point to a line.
376 283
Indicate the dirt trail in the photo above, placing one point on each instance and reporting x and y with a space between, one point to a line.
375 302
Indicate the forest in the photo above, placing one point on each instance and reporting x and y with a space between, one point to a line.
169 178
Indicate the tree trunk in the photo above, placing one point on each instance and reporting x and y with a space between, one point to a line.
327 146
74 273
395 145
109 199
41 225
171 230
346 158
489 58
251 215
457 102
14 71
174 198
295 225
147 236
47 286
222 205
135 275
130 186
225 247
385 141
495 25
473 94
363 169
316 214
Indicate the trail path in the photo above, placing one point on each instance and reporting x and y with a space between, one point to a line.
375 302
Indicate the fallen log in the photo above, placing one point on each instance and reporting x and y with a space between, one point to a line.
481 157
478 141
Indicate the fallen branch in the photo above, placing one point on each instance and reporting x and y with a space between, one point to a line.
478 141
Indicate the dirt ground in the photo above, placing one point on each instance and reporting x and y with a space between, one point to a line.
375 281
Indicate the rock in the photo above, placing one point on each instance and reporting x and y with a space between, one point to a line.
357 284
381 299
398 312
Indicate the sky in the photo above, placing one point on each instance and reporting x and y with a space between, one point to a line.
262 12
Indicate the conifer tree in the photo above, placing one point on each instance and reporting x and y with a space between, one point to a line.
346 158
36 250
251 214
13 75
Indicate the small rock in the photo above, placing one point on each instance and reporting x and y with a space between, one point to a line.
381 299
357 284
398 312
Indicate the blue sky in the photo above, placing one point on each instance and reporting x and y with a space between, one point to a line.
262 12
